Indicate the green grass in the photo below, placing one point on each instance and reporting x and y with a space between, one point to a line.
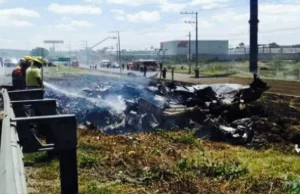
117 164
184 71
52 71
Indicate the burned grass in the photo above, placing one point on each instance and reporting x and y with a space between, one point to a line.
178 162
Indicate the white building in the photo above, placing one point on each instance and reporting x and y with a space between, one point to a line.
181 47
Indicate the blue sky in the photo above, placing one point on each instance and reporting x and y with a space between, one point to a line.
25 24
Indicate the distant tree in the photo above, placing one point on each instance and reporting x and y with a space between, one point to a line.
38 51
274 45
241 45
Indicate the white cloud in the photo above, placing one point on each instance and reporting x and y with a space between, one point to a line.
281 9
73 25
74 9
227 24
15 23
119 14
2 1
172 7
5 41
230 16
120 18
66 19
17 17
144 16
164 5
209 4
18 13
133 2
94 1
118 11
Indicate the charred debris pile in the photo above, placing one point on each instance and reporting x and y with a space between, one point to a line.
216 111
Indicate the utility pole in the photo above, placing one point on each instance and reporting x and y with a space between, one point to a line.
196 23
123 51
253 36
190 67
120 55
70 48
119 51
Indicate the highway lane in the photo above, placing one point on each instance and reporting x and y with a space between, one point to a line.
5 75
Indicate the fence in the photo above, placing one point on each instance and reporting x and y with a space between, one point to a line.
12 174
17 136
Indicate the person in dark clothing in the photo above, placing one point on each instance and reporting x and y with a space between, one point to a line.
164 73
18 75
123 66
197 71
145 70
127 67
161 66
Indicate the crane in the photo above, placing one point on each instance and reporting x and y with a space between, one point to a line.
102 41
90 48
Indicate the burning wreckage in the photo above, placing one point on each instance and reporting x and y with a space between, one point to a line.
216 111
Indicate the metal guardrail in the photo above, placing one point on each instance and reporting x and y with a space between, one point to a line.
12 173
28 110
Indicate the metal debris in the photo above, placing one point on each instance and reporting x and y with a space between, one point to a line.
136 104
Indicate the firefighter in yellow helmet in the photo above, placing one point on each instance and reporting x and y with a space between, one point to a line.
33 74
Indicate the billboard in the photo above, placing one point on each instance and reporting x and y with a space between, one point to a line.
53 41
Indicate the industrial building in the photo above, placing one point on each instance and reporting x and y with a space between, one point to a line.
181 47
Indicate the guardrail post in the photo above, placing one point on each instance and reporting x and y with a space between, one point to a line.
172 74
68 171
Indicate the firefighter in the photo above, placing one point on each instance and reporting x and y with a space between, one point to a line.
18 75
197 71
33 75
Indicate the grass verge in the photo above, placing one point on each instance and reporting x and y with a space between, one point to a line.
168 162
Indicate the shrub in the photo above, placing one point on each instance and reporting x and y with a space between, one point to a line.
293 185
85 161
